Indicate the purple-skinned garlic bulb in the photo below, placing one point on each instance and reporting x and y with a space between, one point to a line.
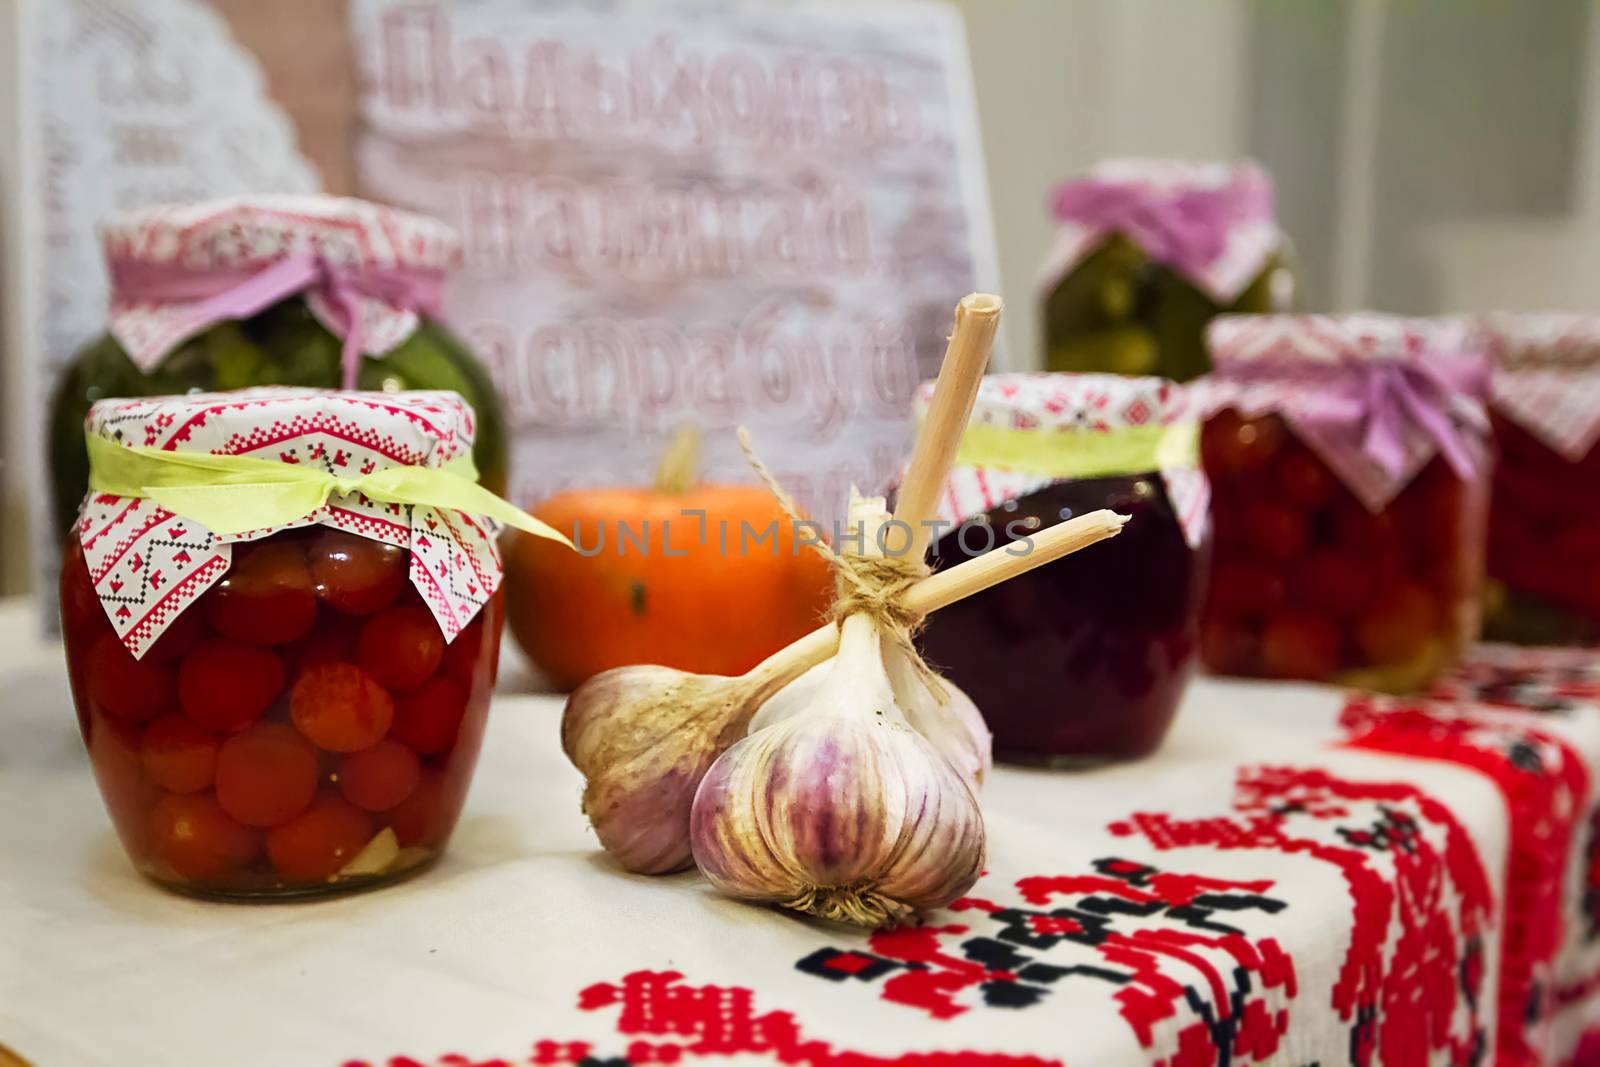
643 737
840 809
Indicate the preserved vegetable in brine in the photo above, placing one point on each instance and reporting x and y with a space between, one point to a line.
1146 253
1349 467
1544 528
282 632
297 291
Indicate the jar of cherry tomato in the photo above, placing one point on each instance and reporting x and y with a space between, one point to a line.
1544 530
1349 463
282 631
1146 252
1083 660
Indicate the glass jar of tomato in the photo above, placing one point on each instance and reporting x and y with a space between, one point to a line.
289 713
1544 530
1083 660
1349 463
1147 251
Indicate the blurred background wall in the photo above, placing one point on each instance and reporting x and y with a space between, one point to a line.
1431 155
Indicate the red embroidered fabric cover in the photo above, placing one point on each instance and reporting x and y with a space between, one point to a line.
149 565
1547 375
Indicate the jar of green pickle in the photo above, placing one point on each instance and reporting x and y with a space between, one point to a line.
282 290
1146 253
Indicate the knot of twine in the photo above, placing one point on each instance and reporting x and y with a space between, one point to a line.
871 585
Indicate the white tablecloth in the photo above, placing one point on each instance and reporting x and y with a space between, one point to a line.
526 946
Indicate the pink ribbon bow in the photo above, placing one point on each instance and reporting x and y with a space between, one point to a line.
1369 404
216 295
1185 228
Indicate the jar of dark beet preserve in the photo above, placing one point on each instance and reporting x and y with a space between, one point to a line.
1084 660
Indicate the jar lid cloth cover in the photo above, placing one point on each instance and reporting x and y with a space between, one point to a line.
1376 397
1030 431
1212 223
367 271
232 467
1547 375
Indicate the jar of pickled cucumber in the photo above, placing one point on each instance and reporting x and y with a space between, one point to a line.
1349 462
281 680
1544 527
1146 252
272 290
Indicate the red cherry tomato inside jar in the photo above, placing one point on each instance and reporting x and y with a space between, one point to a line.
1300 646
1303 480
1275 531
380 777
267 597
266 775
356 575
1242 590
429 719
315 844
426 816
339 708
126 688
226 685
331 640
178 755
401 647
81 611
193 836
1332 582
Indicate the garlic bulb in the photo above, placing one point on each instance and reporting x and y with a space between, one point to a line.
953 725
643 737
840 809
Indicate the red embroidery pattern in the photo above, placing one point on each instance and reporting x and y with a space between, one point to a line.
1410 867
676 1023
1178 955
1524 679
1544 783
135 554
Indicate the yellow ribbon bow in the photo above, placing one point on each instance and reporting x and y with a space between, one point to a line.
234 494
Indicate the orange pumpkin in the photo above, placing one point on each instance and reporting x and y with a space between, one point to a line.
646 587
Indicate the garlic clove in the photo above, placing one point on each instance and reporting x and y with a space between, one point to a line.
792 698
375 856
954 726
840 809
643 737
